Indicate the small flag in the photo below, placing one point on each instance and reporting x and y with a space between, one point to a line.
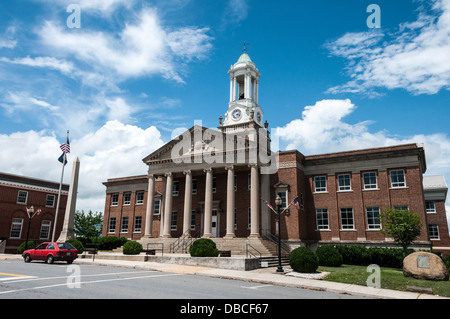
66 146
270 206
295 203
38 211
63 158
28 212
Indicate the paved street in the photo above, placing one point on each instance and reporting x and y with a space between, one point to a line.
39 280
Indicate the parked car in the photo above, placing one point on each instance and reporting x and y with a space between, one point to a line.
50 252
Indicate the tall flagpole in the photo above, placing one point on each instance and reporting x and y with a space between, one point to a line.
60 187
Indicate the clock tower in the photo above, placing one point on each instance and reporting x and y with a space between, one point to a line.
243 108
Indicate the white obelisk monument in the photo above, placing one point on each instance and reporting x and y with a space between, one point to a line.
68 231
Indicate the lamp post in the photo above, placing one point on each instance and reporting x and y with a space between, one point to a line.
278 203
30 212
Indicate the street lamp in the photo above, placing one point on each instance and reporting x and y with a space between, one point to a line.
278 203
30 213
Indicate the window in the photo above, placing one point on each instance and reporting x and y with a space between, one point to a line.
322 218
370 180
430 207
433 231
139 198
156 207
373 218
347 218
175 188
344 182
194 187
401 207
249 181
193 220
320 184
137 224
114 199
45 229
50 201
112 225
214 186
16 228
22 197
235 182
126 199
249 218
173 221
235 219
398 178
124 228
51 246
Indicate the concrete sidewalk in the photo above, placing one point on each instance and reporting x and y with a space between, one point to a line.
262 275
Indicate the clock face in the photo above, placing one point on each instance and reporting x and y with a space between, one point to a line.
258 117
236 114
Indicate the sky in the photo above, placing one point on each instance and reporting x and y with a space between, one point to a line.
125 76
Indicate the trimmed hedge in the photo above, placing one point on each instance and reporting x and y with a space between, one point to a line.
329 256
303 260
31 244
363 256
203 247
77 244
132 248
104 243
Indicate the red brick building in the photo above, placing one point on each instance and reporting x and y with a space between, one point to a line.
213 183
17 193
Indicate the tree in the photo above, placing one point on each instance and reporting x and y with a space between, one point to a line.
402 225
85 224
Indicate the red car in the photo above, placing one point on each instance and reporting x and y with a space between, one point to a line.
50 252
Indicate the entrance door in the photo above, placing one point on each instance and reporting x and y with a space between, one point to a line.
214 224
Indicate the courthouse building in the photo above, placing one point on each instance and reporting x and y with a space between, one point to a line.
216 183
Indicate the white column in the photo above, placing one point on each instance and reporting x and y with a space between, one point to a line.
230 202
168 205
208 204
247 85
254 201
231 88
187 203
150 206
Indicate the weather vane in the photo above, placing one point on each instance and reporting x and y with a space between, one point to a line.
245 44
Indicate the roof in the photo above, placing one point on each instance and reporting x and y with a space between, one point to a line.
244 58
434 182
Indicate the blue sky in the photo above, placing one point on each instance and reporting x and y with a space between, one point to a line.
137 71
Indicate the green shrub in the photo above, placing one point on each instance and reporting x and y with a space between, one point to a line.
329 256
105 243
203 247
132 248
31 244
363 256
77 244
303 260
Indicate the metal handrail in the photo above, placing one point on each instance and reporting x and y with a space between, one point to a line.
162 247
247 251
274 240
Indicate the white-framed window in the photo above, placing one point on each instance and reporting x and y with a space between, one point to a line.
344 182
433 231
22 197
249 218
397 178
322 219
194 187
16 228
173 221
112 225
175 188
114 199
193 212
50 200
45 229
373 217
137 224
320 184
139 198
124 225
347 218
157 207
283 195
126 199
370 180
430 207
401 207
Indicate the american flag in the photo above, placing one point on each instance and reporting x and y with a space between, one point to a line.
268 205
65 147
295 203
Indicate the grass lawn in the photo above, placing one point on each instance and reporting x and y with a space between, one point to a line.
391 278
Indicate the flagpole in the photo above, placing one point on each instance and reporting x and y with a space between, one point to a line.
60 187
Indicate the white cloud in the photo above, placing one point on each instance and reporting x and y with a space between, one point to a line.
235 11
42 62
414 58
143 48
114 150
